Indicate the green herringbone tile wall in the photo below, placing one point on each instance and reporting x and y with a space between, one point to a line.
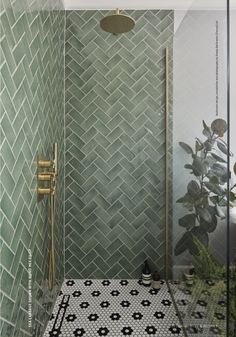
115 107
32 69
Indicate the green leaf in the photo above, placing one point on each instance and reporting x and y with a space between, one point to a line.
219 212
232 196
209 161
216 189
199 167
182 244
185 199
204 214
209 226
188 166
202 202
219 127
214 199
201 235
206 131
223 203
208 144
186 147
218 158
205 264
198 145
235 168
193 189
222 147
188 221
219 170
213 179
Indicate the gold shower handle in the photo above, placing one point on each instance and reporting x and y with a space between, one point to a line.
48 163
44 176
43 191
46 190
45 163
49 174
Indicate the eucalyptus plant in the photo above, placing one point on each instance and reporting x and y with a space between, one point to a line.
206 192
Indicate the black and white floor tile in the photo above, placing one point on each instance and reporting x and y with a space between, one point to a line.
113 308
202 307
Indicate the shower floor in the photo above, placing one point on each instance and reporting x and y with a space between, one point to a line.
113 308
202 307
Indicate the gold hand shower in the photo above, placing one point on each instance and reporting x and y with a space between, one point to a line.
45 177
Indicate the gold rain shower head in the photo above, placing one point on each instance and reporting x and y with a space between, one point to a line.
117 23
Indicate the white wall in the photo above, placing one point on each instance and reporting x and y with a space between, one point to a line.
195 100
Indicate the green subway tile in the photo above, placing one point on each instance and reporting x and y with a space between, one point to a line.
128 266
112 235
102 202
7 206
88 270
126 201
6 230
29 102
7 180
115 220
114 147
114 270
7 256
89 257
101 264
123 274
101 252
6 329
114 171
116 206
99 125
115 156
122 140
126 252
101 177
7 282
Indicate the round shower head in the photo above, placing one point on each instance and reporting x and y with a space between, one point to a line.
117 23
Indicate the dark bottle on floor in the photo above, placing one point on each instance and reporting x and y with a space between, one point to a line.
146 275
156 280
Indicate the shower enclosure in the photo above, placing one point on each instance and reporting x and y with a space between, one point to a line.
145 152
201 159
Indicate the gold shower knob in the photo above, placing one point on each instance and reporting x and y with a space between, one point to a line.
45 163
44 177
42 191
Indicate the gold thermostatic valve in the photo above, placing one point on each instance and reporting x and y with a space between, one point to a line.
46 176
